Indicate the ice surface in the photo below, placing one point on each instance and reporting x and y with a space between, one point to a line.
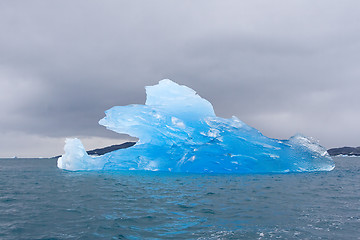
179 131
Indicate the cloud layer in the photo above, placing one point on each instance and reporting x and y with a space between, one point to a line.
280 66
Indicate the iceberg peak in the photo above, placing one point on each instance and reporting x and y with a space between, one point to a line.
177 100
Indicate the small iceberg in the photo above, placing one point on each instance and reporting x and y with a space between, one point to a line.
178 131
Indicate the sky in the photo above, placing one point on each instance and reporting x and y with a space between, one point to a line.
283 67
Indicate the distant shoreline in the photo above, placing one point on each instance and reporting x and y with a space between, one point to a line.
345 151
334 152
102 151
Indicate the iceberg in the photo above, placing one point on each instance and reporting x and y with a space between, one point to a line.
178 131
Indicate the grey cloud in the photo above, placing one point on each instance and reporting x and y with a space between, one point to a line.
282 67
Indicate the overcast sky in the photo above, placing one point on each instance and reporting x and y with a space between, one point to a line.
282 67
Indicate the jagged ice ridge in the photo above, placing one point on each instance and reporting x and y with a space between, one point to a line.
178 131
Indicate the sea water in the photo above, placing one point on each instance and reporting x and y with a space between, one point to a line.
40 201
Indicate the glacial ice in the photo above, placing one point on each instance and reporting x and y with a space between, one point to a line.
178 131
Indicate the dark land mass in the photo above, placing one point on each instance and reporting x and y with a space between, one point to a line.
349 151
102 151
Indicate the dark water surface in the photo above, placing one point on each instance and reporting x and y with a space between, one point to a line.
40 201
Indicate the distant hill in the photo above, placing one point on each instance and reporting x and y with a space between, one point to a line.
350 151
102 151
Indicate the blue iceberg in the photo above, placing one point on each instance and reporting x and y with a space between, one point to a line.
178 131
